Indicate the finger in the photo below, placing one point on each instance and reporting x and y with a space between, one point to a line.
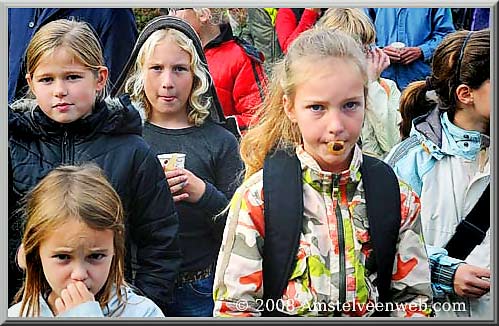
66 297
59 305
174 173
180 197
74 292
474 292
85 293
176 180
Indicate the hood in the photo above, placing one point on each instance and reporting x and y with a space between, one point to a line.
110 116
216 112
429 125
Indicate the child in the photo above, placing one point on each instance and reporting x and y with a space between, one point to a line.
172 83
74 245
70 123
316 107
380 131
235 66
446 161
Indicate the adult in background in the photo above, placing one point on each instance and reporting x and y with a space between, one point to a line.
115 27
419 29
235 65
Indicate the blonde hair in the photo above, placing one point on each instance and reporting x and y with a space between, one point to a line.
70 192
77 38
352 21
199 101
274 129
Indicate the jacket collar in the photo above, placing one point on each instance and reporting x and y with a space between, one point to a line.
224 36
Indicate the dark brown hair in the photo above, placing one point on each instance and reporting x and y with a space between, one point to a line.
462 57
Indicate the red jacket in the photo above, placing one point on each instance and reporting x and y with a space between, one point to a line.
288 27
233 71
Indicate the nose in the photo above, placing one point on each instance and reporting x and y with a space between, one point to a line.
79 272
167 80
60 89
335 123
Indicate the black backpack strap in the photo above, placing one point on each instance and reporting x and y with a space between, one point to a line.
283 209
382 194
472 230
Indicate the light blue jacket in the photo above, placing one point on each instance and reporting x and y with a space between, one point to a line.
415 27
449 168
136 306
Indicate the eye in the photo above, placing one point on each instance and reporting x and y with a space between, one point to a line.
96 256
316 108
61 257
156 68
45 80
351 106
180 68
73 77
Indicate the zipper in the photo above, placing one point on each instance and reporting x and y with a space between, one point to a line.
341 242
65 155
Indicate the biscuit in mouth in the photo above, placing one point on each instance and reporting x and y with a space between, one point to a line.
336 147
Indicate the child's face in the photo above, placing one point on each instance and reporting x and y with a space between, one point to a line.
328 106
481 100
64 88
75 252
168 80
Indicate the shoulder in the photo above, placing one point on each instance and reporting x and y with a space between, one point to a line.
14 310
218 134
251 190
139 306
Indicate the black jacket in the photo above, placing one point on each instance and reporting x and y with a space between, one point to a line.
111 138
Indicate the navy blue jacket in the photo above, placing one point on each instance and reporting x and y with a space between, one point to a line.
115 27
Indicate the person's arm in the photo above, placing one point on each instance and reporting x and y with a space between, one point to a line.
411 278
383 98
441 26
238 277
287 28
118 36
154 230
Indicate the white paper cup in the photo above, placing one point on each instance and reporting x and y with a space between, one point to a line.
171 161
397 45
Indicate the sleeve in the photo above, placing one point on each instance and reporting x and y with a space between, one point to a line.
228 170
154 231
118 36
443 269
383 113
411 282
287 28
86 309
441 25
238 280
248 90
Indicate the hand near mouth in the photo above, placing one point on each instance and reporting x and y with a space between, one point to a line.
72 296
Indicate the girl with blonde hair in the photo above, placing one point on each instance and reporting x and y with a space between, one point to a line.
171 81
74 250
70 121
314 114
380 131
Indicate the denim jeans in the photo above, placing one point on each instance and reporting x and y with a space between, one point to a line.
193 299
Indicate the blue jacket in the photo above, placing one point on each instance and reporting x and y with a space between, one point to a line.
115 27
449 168
416 27
136 306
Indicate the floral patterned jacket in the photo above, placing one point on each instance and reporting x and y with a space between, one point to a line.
334 218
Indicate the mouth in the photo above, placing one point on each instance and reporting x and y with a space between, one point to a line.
61 106
336 147
167 98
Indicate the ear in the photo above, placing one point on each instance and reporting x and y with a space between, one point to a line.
464 94
102 75
29 81
288 108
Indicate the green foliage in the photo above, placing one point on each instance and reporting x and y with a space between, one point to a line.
144 15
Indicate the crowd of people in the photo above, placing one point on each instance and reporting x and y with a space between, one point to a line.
336 161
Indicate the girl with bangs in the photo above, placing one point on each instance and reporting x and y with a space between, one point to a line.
172 84
73 250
